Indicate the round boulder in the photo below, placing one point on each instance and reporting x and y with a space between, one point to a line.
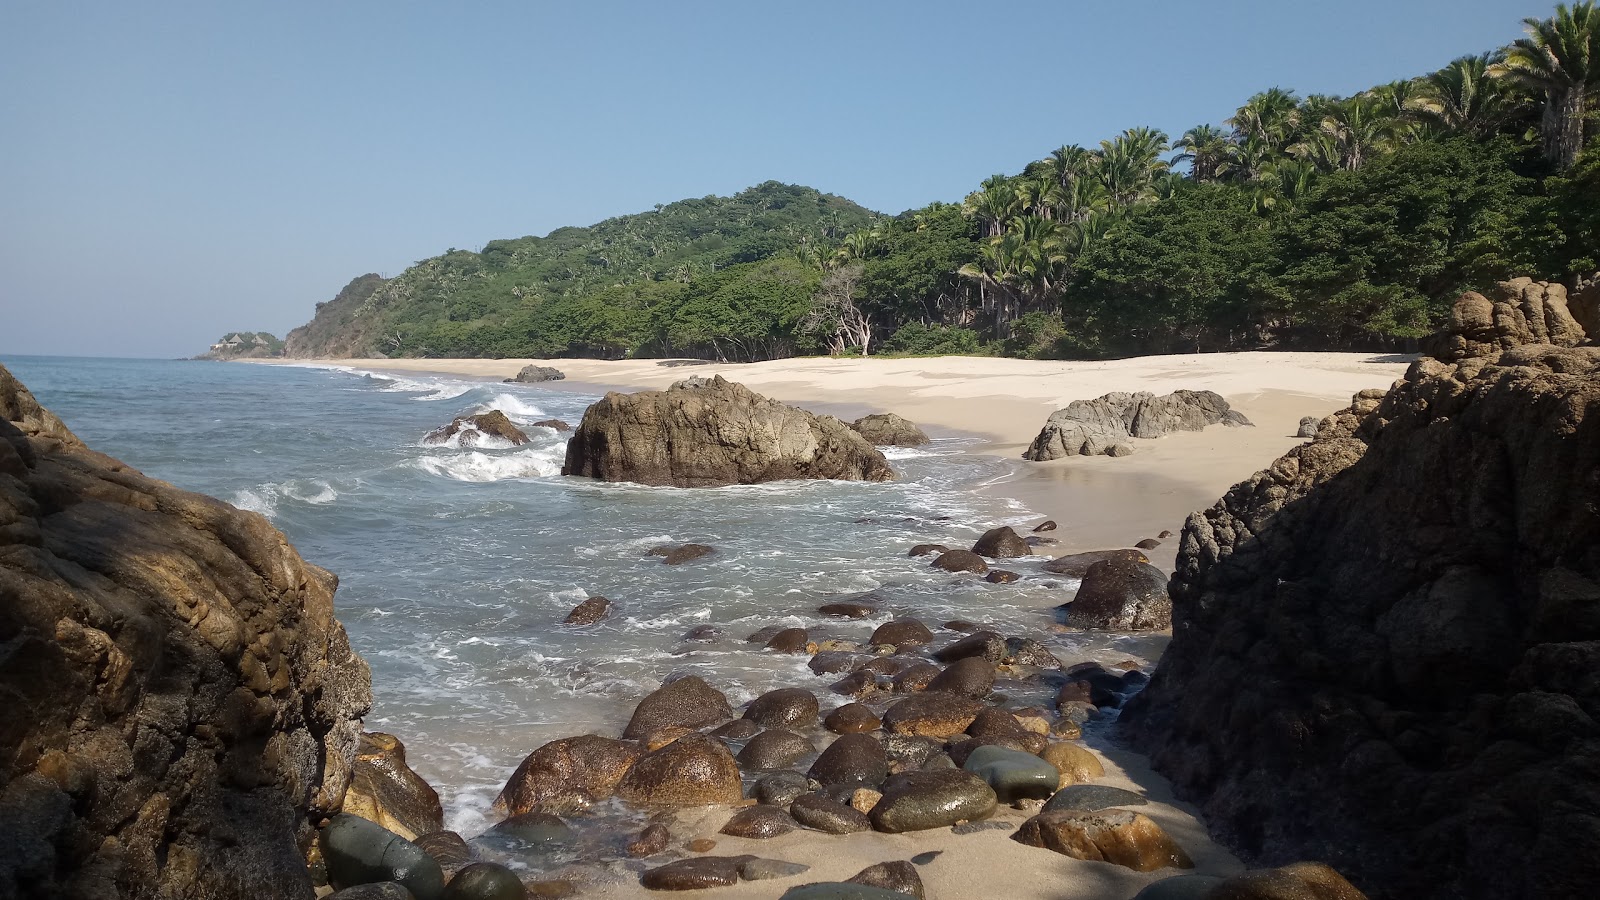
852 759
694 770
828 815
759 822
961 561
1115 836
1002 543
485 881
1121 595
566 775
932 715
902 633
889 430
784 707
774 748
687 702
971 677
789 640
1075 764
588 612
852 718
917 801
985 644
1014 774
360 852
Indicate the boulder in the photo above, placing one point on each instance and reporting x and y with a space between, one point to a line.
898 875
588 612
694 770
470 431
1046 525
855 759
1091 797
536 374
1075 764
915 678
1076 565
780 788
852 718
1398 622
774 748
902 633
918 801
553 424
1000 728
180 702
889 430
385 790
984 644
848 609
1104 425
1296 881
1308 427
717 434
448 849
693 874
1002 576
789 640
961 561
783 708
759 822
485 881
1029 652
1121 595
828 815
1013 774
927 549
929 714
970 677
357 852
677 555
1002 543
1115 836
686 702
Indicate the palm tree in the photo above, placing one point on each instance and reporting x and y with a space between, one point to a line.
1269 118
1560 58
1462 97
1282 185
1351 133
1130 162
992 205
1207 150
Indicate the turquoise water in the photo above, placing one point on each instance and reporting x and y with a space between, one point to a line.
457 565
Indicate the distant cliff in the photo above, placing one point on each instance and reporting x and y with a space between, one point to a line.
340 329
1386 645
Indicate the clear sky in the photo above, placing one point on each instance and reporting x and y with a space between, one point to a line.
170 171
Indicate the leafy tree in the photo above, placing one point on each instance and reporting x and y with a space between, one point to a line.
1560 58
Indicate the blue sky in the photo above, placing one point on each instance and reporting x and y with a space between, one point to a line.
171 171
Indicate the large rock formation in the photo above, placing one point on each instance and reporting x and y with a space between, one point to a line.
715 433
1385 646
1514 313
180 702
1104 425
889 430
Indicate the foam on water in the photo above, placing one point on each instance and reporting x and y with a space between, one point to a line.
516 408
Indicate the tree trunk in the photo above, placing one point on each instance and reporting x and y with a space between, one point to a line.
1563 126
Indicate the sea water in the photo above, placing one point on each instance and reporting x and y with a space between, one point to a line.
458 564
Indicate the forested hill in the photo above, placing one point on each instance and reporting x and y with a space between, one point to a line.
1306 221
634 283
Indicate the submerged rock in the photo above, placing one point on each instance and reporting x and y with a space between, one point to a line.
889 430
678 555
716 434
961 561
469 431
588 612
1002 543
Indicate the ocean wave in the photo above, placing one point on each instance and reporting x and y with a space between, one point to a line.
516 409
476 466
264 498
468 436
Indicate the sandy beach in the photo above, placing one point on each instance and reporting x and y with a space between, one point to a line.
1100 502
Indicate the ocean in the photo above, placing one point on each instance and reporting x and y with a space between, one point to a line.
457 565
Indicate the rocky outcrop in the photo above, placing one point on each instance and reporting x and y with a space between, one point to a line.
469 431
1384 645
1120 594
889 430
536 374
1514 313
716 433
385 790
1105 425
180 703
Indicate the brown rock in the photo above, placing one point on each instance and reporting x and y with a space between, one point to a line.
759 822
898 875
566 775
848 609
927 549
856 684
971 677
1115 836
1046 525
589 611
902 633
1001 729
702 845
1075 764
784 707
915 678
682 553
1001 576
931 715
715 434
852 718
695 770
1121 595
1076 565
652 840
385 790
852 759
687 702
693 874
1001 543
917 801
832 662
789 640
181 705
1296 881
961 561
827 815
448 849
554 424
985 644
469 431
889 430
775 748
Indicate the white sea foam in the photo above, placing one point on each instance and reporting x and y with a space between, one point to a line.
264 498
516 408
532 462
468 436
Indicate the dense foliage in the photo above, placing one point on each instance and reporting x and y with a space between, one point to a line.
1317 221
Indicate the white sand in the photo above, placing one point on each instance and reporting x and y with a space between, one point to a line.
1099 502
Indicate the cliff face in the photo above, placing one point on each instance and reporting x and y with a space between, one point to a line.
342 327
180 702
1386 647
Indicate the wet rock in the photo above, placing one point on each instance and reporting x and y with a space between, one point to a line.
702 845
553 424
832 662
1029 652
1013 774
852 759
759 822
1001 543
931 715
898 875
380 890
780 788
765 634
915 678
485 881
971 677
891 666
682 553
985 644
852 718
789 640
1076 565
856 684
1091 797
848 609
1297 881
530 829
769 869
693 771
702 634
889 430
1120 837
356 852
737 730
902 633
841 890
784 707
908 752
961 561
1075 764
588 612
653 839
1046 525
469 431
1001 728
448 849
385 790
696 873
531 374
828 815
1036 541
716 434
1148 544
566 775
928 549
917 801
1164 534
862 800
1121 595
686 702
774 748
1001 576
962 626
1179 887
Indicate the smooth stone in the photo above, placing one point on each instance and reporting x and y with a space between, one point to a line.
1002 543
759 822
687 702
1181 887
897 875
1046 525
971 677
926 549
1002 576
852 718
1014 774
847 609
780 788
907 752
768 869
986 644
832 662
1092 797
532 828
1001 728
975 827
378 890
822 813
917 801
693 874
789 640
852 759
677 556
929 714
1075 764
485 881
737 730
841 890
857 684
650 841
360 852
1127 839
764 634
775 748
915 678
1148 544
448 849
902 633
695 770
1076 565
961 561
784 707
